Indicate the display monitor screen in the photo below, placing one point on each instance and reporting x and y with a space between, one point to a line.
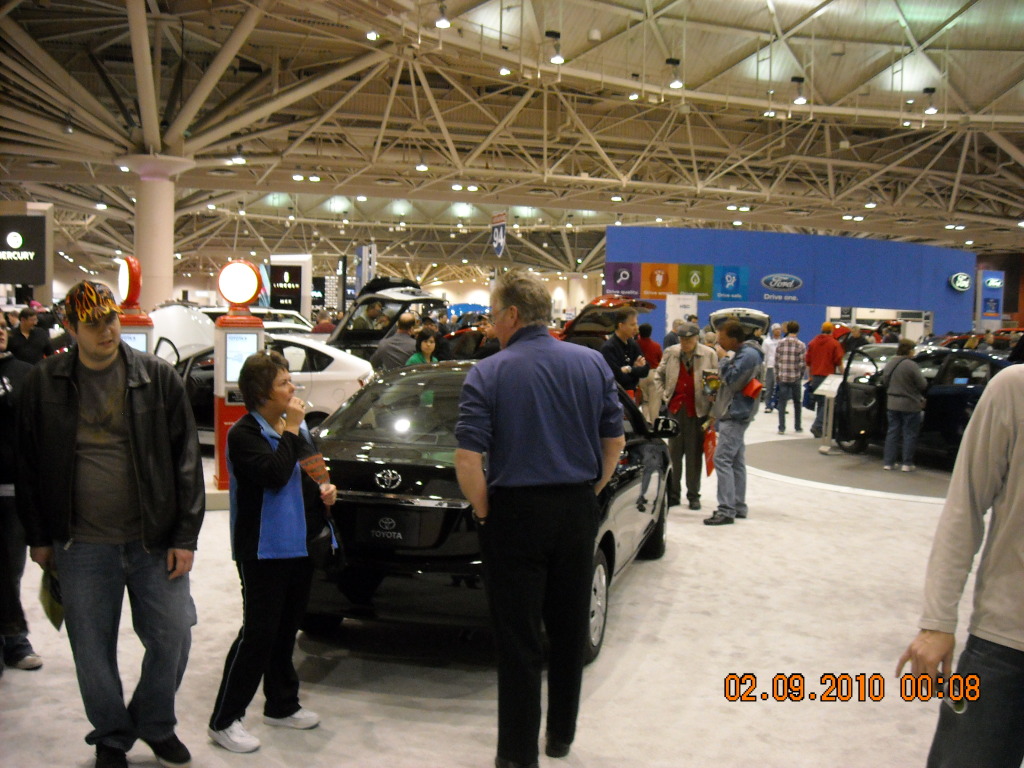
139 341
239 346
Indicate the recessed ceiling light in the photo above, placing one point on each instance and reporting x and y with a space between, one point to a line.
361 198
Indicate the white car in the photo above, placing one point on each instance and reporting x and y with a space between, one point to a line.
325 376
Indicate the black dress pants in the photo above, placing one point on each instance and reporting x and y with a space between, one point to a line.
538 555
689 443
275 594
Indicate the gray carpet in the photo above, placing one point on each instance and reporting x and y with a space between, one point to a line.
818 580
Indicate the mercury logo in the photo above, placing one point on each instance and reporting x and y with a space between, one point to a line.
15 240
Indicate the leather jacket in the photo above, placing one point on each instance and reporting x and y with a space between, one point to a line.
164 447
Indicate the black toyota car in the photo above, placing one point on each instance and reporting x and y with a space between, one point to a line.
410 549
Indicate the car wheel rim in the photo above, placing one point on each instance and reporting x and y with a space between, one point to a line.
598 604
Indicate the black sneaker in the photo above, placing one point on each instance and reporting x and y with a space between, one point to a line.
556 748
170 752
718 519
110 757
694 503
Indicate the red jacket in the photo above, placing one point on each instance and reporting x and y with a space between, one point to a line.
651 350
824 354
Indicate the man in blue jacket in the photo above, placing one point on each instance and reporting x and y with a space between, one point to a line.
733 411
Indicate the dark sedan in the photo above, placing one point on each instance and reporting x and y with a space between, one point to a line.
410 544
956 378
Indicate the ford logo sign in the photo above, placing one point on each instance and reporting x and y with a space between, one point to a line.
961 281
993 282
781 282
387 479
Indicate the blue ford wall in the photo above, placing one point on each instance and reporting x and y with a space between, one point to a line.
836 271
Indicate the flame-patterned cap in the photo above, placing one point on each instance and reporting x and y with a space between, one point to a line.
89 302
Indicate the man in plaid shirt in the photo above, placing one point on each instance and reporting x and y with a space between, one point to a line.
789 372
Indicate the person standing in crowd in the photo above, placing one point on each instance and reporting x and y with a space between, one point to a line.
17 650
547 416
650 388
623 353
110 490
489 344
393 351
987 342
426 342
681 379
789 373
672 337
983 730
323 322
733 411
29 343
854 340
271 501
892 335
824 354
768 347
904 386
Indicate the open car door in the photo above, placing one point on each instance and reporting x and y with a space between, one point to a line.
859 403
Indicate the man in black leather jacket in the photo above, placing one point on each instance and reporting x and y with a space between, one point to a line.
110 490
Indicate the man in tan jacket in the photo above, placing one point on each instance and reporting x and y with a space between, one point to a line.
681 374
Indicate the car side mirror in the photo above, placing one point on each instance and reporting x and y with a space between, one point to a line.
665 426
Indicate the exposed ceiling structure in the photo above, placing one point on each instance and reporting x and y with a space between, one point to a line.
889 119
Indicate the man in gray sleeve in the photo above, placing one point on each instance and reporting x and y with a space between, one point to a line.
981 718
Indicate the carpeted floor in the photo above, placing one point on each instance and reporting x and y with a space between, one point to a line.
824 578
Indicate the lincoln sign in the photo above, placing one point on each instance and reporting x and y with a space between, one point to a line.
23 250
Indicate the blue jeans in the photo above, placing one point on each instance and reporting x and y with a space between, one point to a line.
903 427
93 579
790 390
731 467
819 405
989 733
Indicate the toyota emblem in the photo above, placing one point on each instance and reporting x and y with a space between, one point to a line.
387 523
388 479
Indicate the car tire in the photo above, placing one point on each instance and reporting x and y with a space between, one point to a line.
319 624
598 616
854 445
653 547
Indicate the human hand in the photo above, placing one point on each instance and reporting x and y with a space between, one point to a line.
639 362
43 557
328 494
179 562
294 413
930 653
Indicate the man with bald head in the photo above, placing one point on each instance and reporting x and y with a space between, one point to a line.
398 347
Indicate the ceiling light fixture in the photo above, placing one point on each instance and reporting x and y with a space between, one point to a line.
211 206
422 167
372 35
557 59
616 198
504 71
870 204
101 206
799 99
360 198
676 82
442 21
314 178
634 95
931 109
297 177
239 158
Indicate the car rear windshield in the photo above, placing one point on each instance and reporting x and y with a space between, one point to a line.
411 407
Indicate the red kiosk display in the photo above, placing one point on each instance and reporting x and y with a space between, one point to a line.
136 325
238 334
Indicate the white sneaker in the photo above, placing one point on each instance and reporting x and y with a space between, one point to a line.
887 467
908 467
235 738
302 720
30 661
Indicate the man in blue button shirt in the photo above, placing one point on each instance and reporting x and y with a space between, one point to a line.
546 415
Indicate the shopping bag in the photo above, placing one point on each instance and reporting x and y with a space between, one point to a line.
710 444
753 388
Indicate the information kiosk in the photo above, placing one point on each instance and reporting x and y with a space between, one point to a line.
238 334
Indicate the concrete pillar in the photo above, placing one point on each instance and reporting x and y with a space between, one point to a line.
154 222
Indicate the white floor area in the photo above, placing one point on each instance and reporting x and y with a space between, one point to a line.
819 579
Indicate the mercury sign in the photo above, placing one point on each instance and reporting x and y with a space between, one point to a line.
23 251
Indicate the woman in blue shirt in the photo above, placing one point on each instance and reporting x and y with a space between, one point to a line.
271 500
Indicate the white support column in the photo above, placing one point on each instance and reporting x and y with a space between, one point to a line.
154 222
580 290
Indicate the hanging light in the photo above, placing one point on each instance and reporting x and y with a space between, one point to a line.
422 167
931 109
372 35
504 71
557 59
799 99
676 82
239 158
442 21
